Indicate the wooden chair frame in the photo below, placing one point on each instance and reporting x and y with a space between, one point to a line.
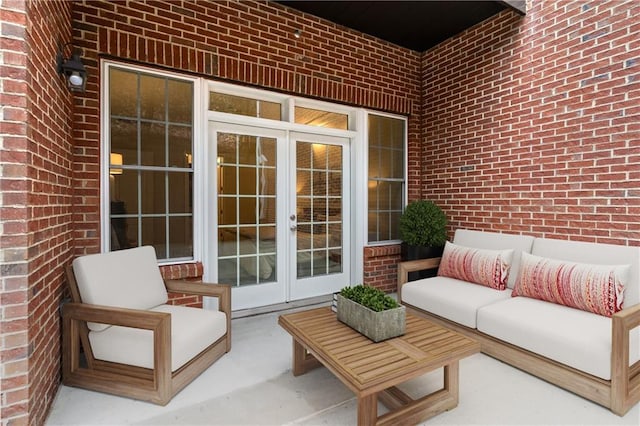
619 394
157 385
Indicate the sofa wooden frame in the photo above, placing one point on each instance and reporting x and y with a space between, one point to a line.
157 385
619 394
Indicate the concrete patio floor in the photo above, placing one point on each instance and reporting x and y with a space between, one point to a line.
253 385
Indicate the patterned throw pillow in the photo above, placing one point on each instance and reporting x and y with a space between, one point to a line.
592 288
480 266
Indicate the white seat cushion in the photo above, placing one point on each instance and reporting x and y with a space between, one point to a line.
192 330
124 278
450 298
579 339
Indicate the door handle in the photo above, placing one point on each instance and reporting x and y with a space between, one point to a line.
293 227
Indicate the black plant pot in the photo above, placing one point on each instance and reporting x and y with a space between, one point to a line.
408 252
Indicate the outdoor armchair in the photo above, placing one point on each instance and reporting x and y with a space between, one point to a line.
120 336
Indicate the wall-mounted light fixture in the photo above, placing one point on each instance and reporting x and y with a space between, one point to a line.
72 68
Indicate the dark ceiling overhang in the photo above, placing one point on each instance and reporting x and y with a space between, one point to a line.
416 25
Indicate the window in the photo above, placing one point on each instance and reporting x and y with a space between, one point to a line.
150 143
386 182
260 104
320 118
232 104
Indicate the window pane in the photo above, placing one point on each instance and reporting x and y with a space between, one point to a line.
124 136
152 97
320 118
180 101
154 234
270 110
180 193
121 229
152 144
227 271
334 155
247 210
151 126
247 150
123 93
227 148
247 180
227 211
227 243
123 187
227 179
180 154
153 192
180 237
244 106
386 176
335 183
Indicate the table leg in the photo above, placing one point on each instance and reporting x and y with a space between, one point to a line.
368 410
303 361
403 410
452 380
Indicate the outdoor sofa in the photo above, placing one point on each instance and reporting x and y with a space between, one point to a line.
573 317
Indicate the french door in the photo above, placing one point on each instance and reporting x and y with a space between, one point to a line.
278 213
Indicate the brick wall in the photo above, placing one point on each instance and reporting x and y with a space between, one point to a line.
35 180
532 125
244 42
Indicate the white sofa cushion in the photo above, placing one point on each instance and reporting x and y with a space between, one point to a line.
125 278
579 339
479 266
497 241
450 298
192 330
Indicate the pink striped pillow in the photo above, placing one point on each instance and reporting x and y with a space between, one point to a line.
480 266
592 288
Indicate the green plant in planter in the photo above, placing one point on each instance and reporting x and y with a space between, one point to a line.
423 223
372 298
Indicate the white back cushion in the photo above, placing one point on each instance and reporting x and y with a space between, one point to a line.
599 254
124 278
497 241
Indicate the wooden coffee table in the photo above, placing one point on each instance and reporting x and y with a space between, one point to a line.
372 370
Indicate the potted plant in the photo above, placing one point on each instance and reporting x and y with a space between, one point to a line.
371 312
423 230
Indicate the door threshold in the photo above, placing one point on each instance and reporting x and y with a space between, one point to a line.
317 301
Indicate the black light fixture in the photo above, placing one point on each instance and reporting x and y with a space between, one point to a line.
72 68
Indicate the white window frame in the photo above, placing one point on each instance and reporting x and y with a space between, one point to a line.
366 178
105 137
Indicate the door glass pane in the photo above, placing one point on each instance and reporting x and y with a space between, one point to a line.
247 193
319 209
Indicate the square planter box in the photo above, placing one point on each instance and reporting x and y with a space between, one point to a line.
377 326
